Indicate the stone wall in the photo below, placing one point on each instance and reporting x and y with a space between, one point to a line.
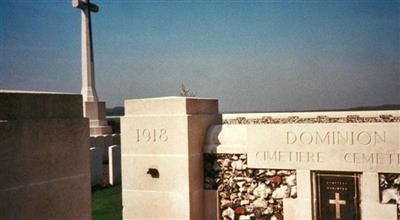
245 193
230 150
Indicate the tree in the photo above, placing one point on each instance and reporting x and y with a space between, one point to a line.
186 92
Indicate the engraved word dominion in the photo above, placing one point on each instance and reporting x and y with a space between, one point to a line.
336 137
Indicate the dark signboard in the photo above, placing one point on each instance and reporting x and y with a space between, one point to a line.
336 196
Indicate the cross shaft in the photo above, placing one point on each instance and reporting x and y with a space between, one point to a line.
88 91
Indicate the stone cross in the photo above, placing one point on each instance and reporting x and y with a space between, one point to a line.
88 83
337 202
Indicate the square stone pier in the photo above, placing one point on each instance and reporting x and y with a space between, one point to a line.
162 156
44 156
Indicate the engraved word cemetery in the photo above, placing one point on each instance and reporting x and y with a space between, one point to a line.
179 157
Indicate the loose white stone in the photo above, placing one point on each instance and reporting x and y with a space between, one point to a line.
262 191
389 194
293 191
251 197
271 173
237 165
260 172
240 184
283 173
273 218
249 179
244 202
244 217
239 178
225 202
226 163
291 180
282 192
229 212
261 203
397 180
224 195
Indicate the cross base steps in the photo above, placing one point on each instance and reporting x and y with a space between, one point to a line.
96 112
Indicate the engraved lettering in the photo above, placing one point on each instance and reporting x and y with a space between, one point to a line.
368 158
318 137
293 138
336 137
260 156
304 139
289 156
146 135
373 158
377 136
151 135
163 135
366 140
341 138
347 157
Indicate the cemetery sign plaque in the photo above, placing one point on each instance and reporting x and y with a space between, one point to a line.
354 147
336 196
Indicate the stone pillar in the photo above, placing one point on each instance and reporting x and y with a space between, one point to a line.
301 207
162 156
371 208
44 156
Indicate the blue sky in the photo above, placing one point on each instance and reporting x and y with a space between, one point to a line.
251 55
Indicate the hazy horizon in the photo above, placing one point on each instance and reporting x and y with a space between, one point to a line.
252 56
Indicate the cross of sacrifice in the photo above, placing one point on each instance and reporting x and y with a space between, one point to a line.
337 202
88 84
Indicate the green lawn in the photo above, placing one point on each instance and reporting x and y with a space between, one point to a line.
107 203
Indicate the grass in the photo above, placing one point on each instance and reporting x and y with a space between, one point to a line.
107 203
